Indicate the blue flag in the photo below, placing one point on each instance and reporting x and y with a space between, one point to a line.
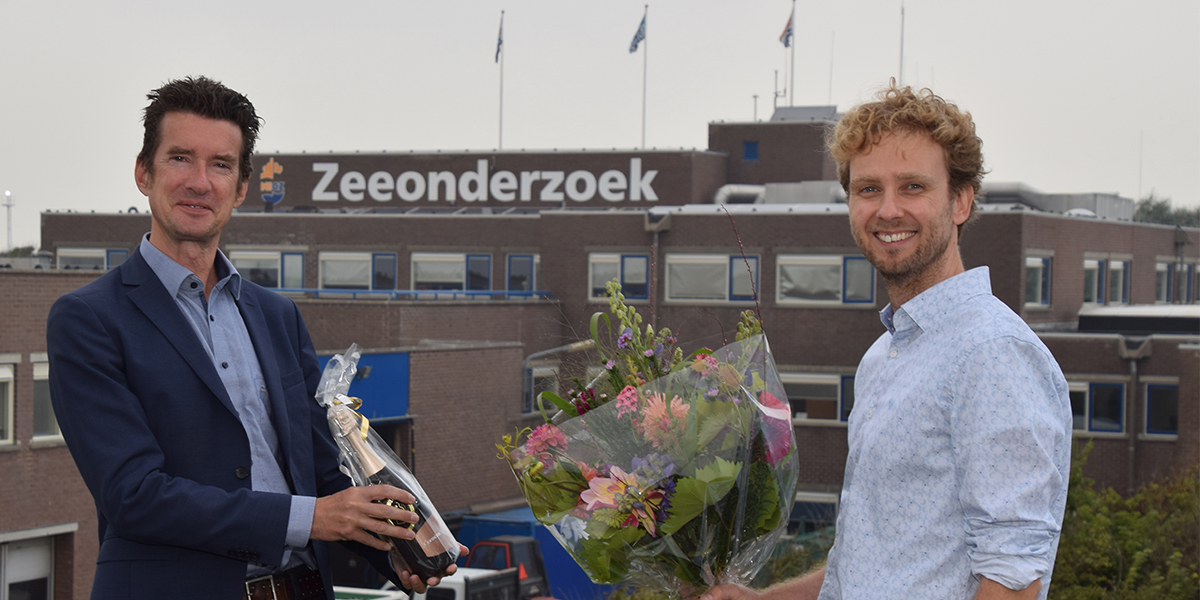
500 37
638 37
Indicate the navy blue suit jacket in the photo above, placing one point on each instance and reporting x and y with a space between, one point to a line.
160 445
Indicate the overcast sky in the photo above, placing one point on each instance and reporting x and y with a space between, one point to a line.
1068 96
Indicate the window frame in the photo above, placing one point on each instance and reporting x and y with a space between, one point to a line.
1147 389
6 571
107 257
7 412
1123 267
462 258
619 259
1089 388
725 261
1100 283
1045 265
749 150
376 257
1164 288
535 260
533 373
845 395
41 373
344 256
844 260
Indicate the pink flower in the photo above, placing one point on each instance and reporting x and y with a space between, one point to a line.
627 401
705 364
658 426
777 419
623 492
543 438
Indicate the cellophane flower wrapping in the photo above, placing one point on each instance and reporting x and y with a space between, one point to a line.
679 484
345 422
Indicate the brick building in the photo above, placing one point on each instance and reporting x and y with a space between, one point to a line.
508 257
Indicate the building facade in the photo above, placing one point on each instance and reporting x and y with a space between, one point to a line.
479 268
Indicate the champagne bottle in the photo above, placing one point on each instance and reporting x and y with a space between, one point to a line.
429 555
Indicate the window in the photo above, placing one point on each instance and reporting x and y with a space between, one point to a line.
44 422
269 268
750 151
6 404
1164 280
632 271
26 569
1093 281
90 259
1162 409
1118 282
824 280
1037 281
522 273
1191 283
811 512
819 396
541 379
1098 407
711 277
345 270
451 271
383 271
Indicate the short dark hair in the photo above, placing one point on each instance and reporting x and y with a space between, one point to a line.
204 97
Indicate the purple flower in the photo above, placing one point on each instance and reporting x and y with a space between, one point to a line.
648 353
626 337
610 364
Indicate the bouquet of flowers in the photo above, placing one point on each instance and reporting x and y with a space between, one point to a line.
667 472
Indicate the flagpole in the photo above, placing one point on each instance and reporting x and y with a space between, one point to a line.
645 64
500 59
901 43
792 92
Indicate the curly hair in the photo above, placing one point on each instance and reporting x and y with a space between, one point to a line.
204 97
901 110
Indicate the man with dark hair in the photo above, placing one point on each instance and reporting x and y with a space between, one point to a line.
960 436
186 394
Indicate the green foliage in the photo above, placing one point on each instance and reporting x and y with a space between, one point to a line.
1146 547
1153 209
19 252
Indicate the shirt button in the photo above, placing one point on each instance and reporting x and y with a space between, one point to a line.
241 472
870 413
211 318
224 365
892 354
193 285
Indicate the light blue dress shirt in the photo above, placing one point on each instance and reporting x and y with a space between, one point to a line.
218 323
959 453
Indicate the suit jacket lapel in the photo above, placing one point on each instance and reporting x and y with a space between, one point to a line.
146 292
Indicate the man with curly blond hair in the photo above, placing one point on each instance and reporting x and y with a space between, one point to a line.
960 436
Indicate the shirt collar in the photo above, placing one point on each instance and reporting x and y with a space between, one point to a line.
930 305
172 274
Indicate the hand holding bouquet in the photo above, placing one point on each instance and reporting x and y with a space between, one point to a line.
667 471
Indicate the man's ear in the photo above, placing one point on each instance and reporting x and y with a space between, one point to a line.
243 187
143 177
963 200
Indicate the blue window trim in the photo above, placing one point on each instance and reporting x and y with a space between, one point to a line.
1043 283
109 254
1153 386
621 269
750 151
846 261
374 257
467 271
508 269
1091 407
738 262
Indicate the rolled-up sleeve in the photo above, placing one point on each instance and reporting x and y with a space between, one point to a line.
1011 428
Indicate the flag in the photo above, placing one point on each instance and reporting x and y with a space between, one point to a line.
639 36
500 37
786 36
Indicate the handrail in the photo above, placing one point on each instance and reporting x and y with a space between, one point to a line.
416 294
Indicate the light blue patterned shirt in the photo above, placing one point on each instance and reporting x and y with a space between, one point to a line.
960 442
218 323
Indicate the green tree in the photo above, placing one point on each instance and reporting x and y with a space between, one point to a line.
1155 209
1145 547
19 251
